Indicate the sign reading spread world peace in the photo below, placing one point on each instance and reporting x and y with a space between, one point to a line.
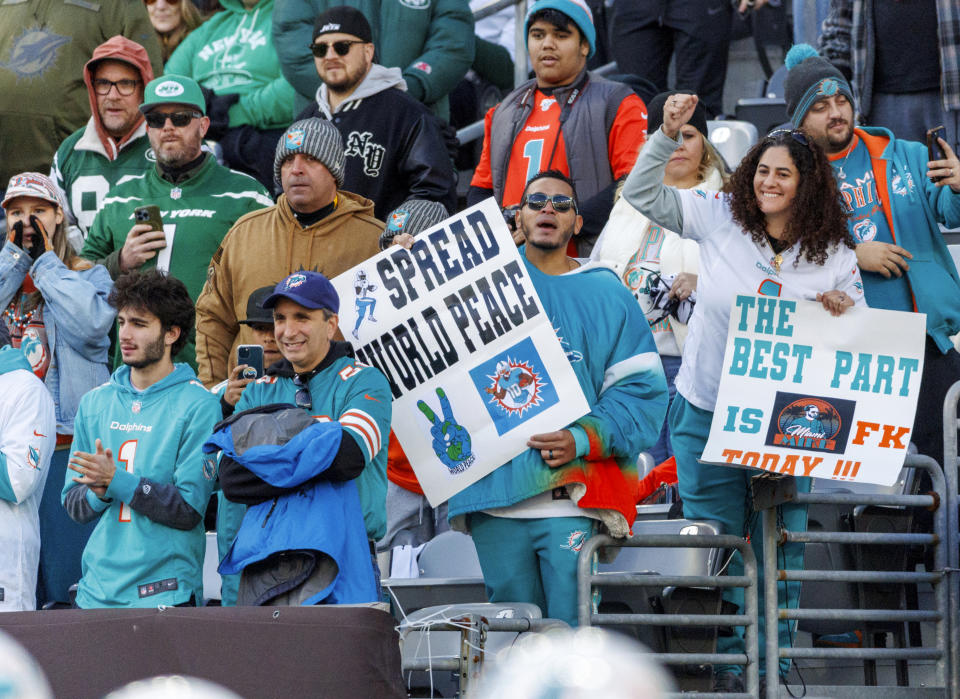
805 393
473 361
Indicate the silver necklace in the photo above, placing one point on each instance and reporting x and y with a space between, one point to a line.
841 175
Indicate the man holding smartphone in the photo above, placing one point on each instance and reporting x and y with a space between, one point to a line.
198 198
896 196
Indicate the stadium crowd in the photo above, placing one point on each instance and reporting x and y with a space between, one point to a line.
183 182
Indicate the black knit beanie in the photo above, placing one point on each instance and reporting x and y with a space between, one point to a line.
655 112
810 77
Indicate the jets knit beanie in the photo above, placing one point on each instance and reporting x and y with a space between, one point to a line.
413 216
315 137
810 77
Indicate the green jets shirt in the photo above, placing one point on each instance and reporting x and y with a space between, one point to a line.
197 213
84 174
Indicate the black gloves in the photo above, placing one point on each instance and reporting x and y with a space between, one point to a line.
38 243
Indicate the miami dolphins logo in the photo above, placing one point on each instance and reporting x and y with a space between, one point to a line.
34 52
575 541
515 387
33 457
828 86
295 281
572 354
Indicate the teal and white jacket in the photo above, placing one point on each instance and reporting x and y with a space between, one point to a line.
148 546
28 436
609 345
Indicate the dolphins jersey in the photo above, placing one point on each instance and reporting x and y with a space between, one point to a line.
156 437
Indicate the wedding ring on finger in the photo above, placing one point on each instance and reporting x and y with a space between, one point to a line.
550 457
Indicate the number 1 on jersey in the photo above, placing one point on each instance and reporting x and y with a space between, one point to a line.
533 152
126 456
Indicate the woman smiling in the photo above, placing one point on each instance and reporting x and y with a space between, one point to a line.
777 229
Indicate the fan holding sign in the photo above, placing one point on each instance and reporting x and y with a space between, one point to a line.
777 230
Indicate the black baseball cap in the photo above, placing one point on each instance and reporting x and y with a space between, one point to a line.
256 313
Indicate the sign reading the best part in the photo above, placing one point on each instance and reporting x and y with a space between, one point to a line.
473 361
805 393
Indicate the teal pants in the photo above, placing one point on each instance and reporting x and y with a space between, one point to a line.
722 493
532 560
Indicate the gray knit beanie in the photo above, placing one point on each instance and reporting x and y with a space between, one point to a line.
316 137
810 77
412 216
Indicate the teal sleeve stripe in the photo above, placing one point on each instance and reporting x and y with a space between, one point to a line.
6 488
580 439
123 486
96 503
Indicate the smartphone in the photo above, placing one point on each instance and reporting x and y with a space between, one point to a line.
252 356
149 214
934 151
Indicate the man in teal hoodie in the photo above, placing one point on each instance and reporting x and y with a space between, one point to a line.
137 466
249 102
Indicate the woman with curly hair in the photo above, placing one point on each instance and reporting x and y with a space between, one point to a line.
777 229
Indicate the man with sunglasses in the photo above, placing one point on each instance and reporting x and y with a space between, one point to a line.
530 517
566 119
318 375
394 148
199 199
897 195
113 145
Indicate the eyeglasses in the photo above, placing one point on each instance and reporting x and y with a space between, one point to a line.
157 120
796 134
561 202
302 398
341 47
125 87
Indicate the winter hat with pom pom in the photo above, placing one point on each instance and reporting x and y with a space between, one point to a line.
810 77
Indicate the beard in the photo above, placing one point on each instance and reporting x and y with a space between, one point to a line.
838 142
551 244
152 354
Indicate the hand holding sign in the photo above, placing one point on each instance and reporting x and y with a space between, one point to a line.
451 441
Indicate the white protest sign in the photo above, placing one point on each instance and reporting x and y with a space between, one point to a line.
473 361
808 394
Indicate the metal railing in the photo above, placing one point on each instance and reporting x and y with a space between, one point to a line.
941 539
950 470
586 580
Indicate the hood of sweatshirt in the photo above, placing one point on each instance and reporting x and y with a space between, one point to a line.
378 79
118 48
12 359
182 373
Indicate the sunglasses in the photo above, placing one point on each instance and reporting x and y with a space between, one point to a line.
302 397
342 48
797 135
124 87
560 202
154 2
157 120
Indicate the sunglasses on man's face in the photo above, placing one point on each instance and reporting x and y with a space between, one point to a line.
157 120
560 202
302 397
342 48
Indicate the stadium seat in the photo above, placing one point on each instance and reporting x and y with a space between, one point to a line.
732 139
419 643
449 574
765 113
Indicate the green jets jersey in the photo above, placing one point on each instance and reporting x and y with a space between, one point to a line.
84 174
197 213
155 435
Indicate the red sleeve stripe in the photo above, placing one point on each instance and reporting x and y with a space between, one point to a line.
363 436
365 425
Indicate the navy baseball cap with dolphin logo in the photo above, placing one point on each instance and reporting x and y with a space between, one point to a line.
309 289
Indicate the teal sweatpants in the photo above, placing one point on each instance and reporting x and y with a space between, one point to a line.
722 493
532 560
